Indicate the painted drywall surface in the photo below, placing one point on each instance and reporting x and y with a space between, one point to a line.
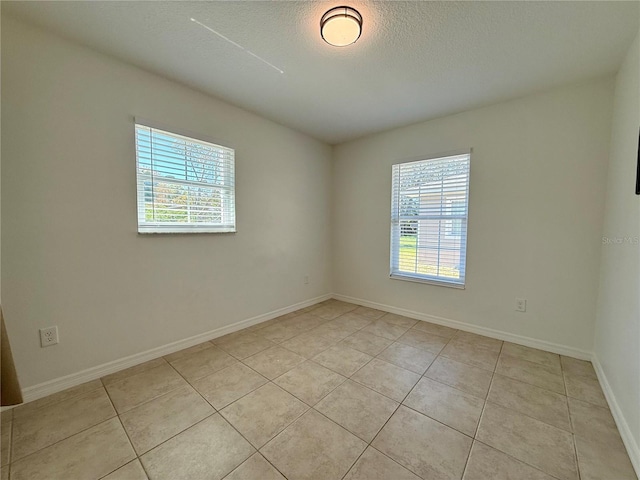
617 332
71 254
538 175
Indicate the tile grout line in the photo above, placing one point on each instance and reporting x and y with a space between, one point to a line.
135 452
436 420
424 375
401 403
146 401
122 466
81 431
330 346
573 434
347 378
257 450
269 381
525 414
370 443
145 370
517 459
529 417
240 397
509 454
507 408
13 417
265 459
565 395
150 399
11 461
537 365
517 379
279 432
322 398
486 398
575 452
139 456
215 411
484 406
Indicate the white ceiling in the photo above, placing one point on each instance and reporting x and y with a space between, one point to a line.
414 61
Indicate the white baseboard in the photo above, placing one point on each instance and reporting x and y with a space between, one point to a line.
468 327
623 427
58 384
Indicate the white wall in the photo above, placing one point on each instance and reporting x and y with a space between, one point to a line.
71 255
617 332
536 206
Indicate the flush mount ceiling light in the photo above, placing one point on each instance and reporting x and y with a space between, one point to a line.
341 26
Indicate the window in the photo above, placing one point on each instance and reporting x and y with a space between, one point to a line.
429 206
184 185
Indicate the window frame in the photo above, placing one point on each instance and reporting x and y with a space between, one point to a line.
184 227
396 227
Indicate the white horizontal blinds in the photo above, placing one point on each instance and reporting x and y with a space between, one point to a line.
184 184
429 219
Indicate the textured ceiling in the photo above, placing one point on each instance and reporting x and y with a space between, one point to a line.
414 60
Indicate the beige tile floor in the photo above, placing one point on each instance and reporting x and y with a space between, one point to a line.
334 391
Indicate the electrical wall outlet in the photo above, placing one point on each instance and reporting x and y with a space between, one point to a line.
48 336
306 279
521 304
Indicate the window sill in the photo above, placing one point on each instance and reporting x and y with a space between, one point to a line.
439 283
153 231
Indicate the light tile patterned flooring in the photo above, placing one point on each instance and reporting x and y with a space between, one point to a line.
334 391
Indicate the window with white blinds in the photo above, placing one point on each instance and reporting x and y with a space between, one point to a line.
430 200
185 185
